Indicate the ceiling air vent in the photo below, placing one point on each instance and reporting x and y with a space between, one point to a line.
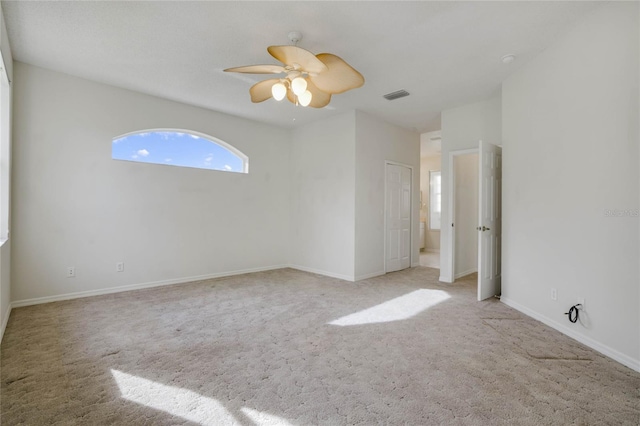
395 95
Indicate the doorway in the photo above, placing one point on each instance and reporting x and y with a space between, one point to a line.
465 214
398 230
430 208
475 191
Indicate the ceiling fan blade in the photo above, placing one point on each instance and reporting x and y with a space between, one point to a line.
258 69
319 98
298 58
261 91
340 77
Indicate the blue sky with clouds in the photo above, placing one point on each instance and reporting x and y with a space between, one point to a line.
175 149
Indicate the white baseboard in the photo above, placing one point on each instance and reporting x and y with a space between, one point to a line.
367 276
5 320
465 273
321 272
183 280
445 279
623 359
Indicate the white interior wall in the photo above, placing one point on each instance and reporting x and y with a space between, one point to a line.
466 214
432 237
322 196
75 206
462 128
377 142
296 207
570 123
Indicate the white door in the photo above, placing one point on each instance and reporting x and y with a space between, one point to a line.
398 218
490 221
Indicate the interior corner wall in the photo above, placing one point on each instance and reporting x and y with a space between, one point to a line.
322 197
463 128
75 206
377 142
571 184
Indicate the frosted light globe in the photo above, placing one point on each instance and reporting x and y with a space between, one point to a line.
299 85
305 98
279 91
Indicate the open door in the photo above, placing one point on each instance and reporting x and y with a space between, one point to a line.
490 221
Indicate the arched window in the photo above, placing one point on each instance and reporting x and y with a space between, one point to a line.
183 148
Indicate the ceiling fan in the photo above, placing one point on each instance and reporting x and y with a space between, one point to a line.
309 79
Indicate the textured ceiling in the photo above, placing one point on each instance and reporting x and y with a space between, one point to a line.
444 53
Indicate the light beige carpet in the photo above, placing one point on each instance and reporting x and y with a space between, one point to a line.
287 347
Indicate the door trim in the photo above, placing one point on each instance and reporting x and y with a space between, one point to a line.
411 220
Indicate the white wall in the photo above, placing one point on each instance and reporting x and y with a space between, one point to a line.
78 207
377 142
462 128
466 214
570 123
427 164
337 193
322 196
75 206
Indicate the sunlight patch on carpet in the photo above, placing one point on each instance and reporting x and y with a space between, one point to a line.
398 309
176 401
260 418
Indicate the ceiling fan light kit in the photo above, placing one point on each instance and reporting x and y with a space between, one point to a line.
305 98
278 91
298 85
310 80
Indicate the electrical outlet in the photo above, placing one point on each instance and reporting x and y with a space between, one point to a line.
554 294
71 271
120 267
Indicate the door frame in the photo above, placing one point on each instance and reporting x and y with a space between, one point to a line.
452 206
411 216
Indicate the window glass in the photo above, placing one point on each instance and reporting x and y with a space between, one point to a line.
435 199
179 148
